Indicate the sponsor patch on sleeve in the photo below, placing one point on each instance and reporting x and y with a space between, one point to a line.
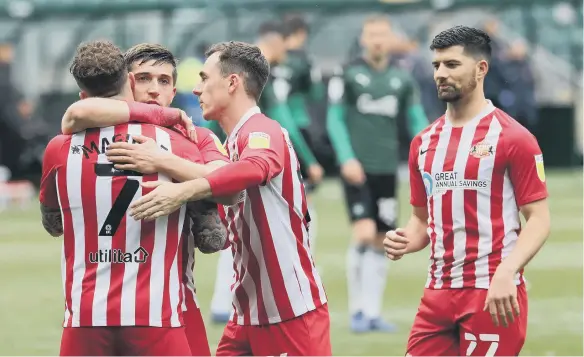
258 140
539 167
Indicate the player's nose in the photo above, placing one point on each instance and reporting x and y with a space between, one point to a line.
197 91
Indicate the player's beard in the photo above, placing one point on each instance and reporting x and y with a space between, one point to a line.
454 93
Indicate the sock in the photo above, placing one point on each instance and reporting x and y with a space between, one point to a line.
354 282
374 277
222 300
313 227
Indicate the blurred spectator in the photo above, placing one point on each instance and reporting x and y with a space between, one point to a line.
518 96
188 77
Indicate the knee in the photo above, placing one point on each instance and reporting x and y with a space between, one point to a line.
364 231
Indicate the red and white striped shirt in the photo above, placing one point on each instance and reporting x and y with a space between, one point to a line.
474 179
116 271
275 276
211 149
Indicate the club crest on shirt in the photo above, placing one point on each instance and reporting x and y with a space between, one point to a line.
235 157
539 167
482 149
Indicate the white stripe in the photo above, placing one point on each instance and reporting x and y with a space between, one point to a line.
438 166
175 274
248 285
458 211
485 246
74 165
189 245
511 220
63 260
133 234
103 205
158 252
421 164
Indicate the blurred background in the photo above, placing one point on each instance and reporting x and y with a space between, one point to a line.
535 76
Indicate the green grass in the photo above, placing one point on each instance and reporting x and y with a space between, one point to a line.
31 304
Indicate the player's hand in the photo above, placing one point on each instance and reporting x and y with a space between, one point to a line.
315 173
166 198
502 298
353 172
187 123
143 157
395 244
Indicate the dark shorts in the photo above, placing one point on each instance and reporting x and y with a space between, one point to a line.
376 199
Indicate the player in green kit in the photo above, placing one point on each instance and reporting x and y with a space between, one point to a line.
366 100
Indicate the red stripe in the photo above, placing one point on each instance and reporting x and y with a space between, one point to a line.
471 210
114 296
146 242
88 194
69 234
447 221
253 267
497 208
428 169
260 218
170 253
240 293
288 178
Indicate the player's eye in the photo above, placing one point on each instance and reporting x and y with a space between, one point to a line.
142 78
165 81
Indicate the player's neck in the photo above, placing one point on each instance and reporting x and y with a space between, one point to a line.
233 115
466 109
377 64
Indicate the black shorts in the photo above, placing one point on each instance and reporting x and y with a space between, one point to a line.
375 199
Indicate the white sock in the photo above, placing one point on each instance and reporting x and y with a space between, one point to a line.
374 276
313 227
222 300
354 283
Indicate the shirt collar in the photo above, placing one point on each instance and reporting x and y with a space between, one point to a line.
488 109
250 112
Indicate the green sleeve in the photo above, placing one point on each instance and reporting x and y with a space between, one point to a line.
417 120
281 113
335 121
297 104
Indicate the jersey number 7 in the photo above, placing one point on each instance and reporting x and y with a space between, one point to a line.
122 202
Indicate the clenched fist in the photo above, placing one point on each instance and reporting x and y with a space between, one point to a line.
395 244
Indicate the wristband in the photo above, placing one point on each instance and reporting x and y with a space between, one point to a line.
153 114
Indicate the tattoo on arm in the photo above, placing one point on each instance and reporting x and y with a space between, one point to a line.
52 220
209 232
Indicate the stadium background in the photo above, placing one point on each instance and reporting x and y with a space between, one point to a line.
38 39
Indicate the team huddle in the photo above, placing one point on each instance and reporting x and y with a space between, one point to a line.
135 188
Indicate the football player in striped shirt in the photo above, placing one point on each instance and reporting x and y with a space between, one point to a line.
154 68
472 173
280 307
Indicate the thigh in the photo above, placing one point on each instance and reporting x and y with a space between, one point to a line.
433 332
234 341
153 341
384 196
480 337
306 335
87 341
359 201
195 331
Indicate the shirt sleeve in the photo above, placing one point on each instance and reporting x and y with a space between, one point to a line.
210 146
336 119
526 169
261 150
48 188
418 197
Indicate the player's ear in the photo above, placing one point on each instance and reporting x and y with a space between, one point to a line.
83 95
234 82
482 69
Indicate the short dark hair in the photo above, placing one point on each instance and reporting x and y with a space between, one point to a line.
244 59
294 24
99 68
474 41
145 52
271 27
